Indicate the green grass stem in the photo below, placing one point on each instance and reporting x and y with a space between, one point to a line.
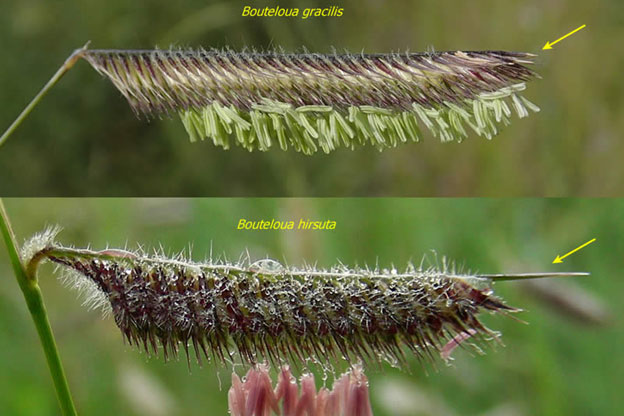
69 62
34 300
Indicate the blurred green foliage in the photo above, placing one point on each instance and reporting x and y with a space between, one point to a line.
555 365
84 140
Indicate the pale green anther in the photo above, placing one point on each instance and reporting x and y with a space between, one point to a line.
498 111
506 109
369 109
343 123
455 119
208 130
340 127
234 115
409 119
520 109
293 127
240 136
333 132
376 123
268 108
439 118
226 124
214 124
198 124
266 135
315 108
252 138
373 123
188 126
476 109
396 122
278 126
528 104
284 106
444 134
327 133
222 112
423 116
257 129
220 124
306 124
503 92
459 110
310 144
356 116
490 122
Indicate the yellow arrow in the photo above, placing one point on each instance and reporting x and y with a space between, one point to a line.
549 44
559 259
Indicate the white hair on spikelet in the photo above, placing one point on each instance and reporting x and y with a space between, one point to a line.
93 298
38 243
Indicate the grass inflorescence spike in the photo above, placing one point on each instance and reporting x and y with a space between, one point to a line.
265 311
310 102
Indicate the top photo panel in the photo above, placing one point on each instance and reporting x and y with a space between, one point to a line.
301 98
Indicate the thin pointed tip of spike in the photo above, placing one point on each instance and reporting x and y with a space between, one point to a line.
524 276
84 48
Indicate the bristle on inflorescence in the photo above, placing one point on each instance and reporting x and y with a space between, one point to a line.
315 101
265 311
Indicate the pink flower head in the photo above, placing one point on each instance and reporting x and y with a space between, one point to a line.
255 397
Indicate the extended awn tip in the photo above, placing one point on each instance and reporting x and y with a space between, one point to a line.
524 276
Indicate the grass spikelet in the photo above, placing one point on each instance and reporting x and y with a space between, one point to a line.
265 311
312 102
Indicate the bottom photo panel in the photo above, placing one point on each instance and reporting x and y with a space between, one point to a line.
316 307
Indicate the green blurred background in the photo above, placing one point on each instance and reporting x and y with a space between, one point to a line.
84 140
566 361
